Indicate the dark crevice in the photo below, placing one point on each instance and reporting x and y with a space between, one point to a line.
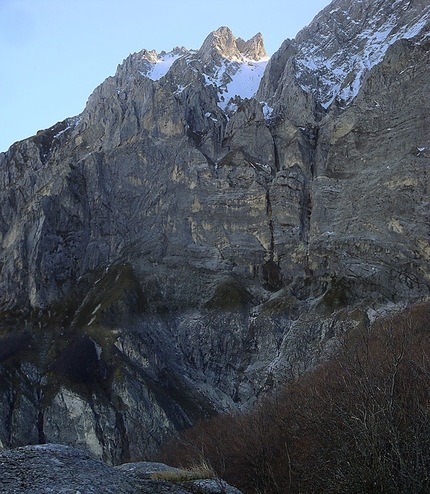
311 134
276 154
272 239
209 159
41 432
8 419
271 228
268 205
305 215
271 271
125 443
40 418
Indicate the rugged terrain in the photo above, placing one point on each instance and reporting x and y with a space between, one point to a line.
211 224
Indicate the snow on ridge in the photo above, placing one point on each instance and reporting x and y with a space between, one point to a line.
233 78
162 65
370 48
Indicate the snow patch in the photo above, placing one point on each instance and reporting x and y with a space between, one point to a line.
267 110
96 309
238 79
98 349
162 65
62 132
48 447
180 89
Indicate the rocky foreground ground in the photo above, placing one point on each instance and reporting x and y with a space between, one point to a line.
53 468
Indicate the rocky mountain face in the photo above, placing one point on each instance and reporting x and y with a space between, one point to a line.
210 225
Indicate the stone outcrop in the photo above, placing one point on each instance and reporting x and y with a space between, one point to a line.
184 245
57 468
222 43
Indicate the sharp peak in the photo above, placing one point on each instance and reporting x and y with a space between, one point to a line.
223 43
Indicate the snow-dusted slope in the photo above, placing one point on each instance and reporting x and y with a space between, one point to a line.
236 78
160 68
150 63
331 56
348 38
234 67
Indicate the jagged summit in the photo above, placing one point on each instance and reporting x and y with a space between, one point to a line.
219 47
149 63
233 66
222 43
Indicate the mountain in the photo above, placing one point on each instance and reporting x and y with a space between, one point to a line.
212 224
347 39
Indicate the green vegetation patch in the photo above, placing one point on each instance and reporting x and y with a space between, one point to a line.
229 296
115 297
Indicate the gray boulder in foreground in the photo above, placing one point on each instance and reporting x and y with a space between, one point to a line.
54 468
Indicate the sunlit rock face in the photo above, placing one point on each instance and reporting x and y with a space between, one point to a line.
211 225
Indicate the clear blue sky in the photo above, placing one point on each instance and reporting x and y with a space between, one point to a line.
53 53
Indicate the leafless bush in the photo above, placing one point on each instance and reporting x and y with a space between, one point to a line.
360 423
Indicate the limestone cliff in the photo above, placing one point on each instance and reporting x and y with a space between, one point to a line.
211 224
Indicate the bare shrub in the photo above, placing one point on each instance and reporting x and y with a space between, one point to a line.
198 471
360 423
